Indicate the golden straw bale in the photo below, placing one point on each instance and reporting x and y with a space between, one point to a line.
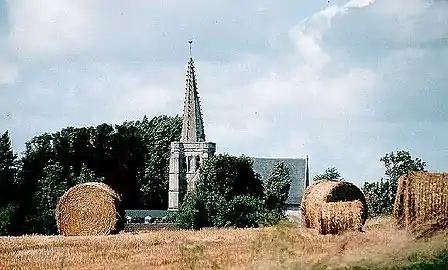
421 202
325 191
337 217
89 209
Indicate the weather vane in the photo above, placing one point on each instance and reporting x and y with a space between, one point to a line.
189 45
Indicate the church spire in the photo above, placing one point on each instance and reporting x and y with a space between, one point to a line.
192 124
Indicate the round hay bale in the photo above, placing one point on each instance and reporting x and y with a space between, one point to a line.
89 209
325 191
421 203
337 217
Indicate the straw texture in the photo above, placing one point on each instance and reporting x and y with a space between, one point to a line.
327 191
337 217
89 209
421 202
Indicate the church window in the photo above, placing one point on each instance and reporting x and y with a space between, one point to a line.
189 163
198 162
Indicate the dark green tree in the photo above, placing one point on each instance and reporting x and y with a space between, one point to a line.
132 158
227 185
8 187
277 189
329 174
38 154
157 135
49 189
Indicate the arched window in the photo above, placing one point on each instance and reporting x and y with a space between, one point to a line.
188 163
198 162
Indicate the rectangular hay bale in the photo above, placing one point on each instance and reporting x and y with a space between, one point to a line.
337 217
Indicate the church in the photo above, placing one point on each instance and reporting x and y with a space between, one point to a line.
193 149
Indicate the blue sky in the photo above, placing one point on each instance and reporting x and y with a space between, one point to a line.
344 82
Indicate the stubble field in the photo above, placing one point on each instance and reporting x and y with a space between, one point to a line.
286 246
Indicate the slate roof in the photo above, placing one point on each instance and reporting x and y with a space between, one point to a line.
298 167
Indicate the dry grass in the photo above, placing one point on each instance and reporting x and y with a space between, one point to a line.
326 191
337 217
421 203
89 209
286 246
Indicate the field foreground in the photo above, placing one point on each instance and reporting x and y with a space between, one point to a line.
285 246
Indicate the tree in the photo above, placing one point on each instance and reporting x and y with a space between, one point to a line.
87 175
277 189
132 158
38 154
7 170
329 174
399 163
157 135
8 187
380 196
228 193
49 189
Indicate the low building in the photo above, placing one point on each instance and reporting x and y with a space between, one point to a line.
146 216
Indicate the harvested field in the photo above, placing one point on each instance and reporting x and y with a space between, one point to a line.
89 209
337 217
325 191
285 246
421 202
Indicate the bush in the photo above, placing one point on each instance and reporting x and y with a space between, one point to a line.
380 197
228 193
277 188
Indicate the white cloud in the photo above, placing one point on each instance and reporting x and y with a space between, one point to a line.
43 27
8 73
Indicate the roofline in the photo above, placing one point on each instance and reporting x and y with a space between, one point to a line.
277 158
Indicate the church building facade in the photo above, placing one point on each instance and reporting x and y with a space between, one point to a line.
192 150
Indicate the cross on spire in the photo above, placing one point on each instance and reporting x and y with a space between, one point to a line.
189 46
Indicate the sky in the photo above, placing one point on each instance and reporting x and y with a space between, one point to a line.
344 82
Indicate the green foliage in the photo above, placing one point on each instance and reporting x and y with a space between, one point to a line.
230 176
329 174
380 196
8 186
49 188
228 193
157 136
277 190
132 158
245 211
87 175
7 212
399 163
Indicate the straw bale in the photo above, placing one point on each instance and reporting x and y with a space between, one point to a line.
421 202
325 191
337 217
89 209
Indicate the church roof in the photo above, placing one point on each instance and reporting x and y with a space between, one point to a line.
192 124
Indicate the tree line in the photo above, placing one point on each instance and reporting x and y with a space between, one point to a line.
131 157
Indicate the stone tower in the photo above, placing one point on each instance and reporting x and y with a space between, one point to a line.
192 149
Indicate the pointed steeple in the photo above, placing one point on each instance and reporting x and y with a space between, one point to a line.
192 124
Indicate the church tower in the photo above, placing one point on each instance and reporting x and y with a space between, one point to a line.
189 153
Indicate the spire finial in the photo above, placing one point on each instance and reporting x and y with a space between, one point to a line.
189 45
